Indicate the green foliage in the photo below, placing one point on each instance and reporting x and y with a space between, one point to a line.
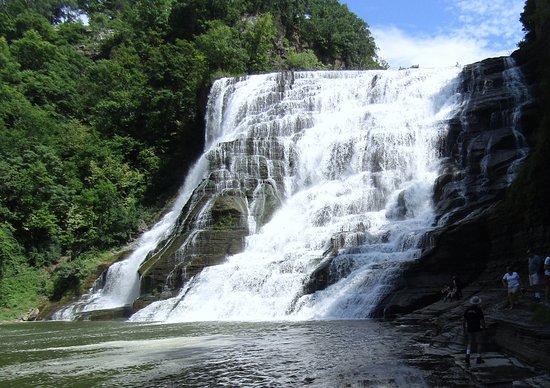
32 52
226 221
223 47
259 37
99 121
74 277
337 33
21 284
305 60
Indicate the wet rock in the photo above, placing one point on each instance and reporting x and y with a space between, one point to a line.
144 301
242 190
266 200
119 313
399 210
320 278
520 337
482 143
30 315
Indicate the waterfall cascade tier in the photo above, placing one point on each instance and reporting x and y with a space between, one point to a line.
313 167
313 190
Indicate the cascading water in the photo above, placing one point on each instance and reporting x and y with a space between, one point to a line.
515 82
121 283
358 165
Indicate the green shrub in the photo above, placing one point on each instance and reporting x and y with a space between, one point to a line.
305 60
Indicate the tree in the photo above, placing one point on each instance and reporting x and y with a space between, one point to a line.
305 60
259 37
223 48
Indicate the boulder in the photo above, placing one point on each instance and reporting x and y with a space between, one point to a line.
119 313
242 189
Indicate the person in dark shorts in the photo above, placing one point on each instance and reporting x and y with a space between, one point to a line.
474 324
456 289
536 280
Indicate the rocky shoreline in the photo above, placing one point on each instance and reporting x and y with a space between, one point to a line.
516 346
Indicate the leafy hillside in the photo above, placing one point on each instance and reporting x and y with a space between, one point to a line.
101 115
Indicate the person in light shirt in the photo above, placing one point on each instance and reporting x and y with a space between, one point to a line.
512 281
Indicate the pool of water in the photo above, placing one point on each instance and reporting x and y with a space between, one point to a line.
325 353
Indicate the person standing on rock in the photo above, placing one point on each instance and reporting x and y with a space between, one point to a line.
535 278
547 277
512 281
474 324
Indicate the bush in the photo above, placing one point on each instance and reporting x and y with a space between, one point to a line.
305 60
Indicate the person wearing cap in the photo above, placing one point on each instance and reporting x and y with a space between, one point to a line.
474 324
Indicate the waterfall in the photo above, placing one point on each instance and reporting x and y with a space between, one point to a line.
354 155
515 83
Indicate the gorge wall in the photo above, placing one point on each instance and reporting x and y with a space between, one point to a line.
483 202
317 191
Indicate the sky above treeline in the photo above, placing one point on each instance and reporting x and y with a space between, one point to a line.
434 33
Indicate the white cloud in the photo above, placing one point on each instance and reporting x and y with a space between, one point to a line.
494 20
400 49
484 28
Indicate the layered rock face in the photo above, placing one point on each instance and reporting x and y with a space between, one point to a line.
484 149
243 186
485 144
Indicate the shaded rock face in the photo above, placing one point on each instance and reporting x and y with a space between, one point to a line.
485 143
483 151
120 313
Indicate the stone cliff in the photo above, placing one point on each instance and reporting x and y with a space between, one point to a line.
484 225
483 151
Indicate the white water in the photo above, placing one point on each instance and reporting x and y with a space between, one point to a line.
515 82
353 142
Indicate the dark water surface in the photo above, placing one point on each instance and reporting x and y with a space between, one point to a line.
326 353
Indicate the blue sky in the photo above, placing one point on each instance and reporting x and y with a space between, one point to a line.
435 33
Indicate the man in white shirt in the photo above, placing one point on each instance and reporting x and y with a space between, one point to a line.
512 281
